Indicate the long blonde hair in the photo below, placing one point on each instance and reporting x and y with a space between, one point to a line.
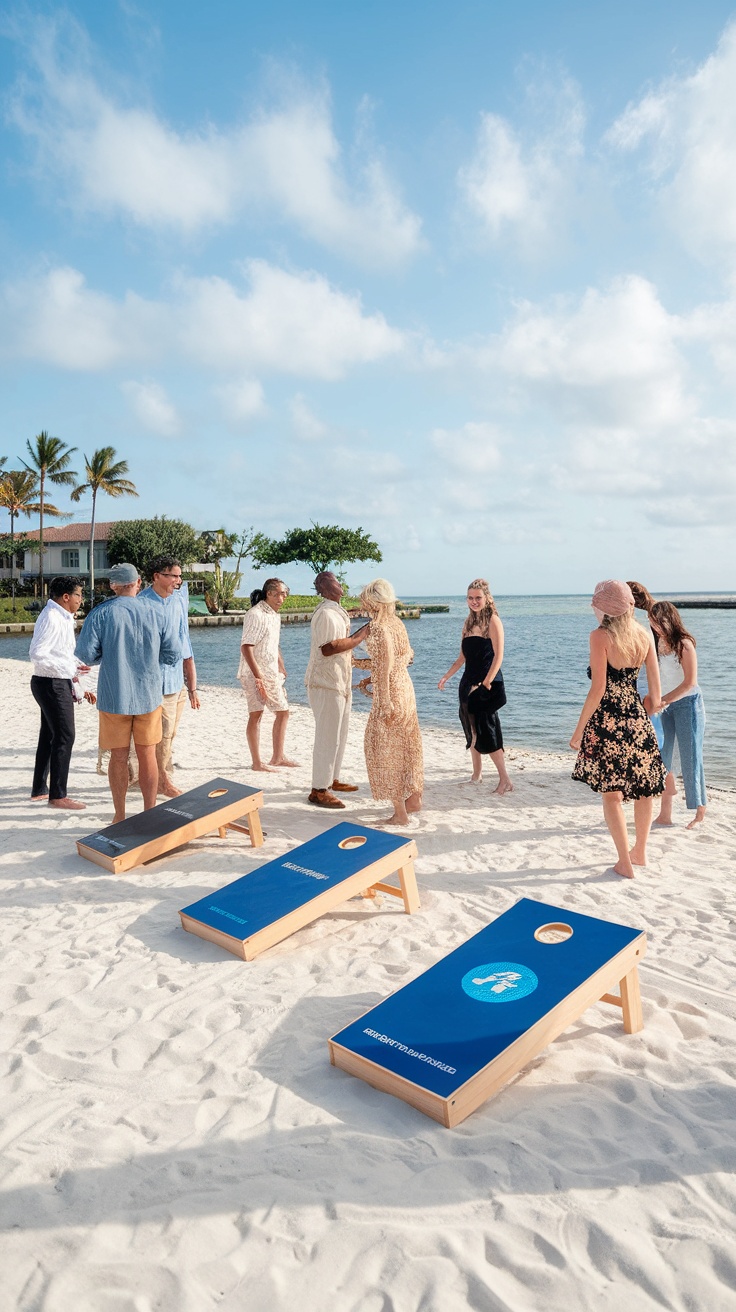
630 637
379 598
484 616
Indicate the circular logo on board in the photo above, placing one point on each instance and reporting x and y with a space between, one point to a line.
499 981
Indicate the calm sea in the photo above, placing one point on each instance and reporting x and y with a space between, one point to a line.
544 669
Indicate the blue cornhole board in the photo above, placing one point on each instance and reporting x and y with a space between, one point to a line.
216 805
450 1038
264 907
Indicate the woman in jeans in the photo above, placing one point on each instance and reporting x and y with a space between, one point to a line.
683 713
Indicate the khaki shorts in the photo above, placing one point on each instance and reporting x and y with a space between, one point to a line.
116 731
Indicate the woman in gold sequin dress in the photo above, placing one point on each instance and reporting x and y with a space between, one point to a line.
393 742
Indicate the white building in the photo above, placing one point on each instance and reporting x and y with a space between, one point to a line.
66 551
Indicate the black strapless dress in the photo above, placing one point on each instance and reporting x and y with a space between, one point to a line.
479 710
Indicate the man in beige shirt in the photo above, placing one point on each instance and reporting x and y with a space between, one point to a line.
328 681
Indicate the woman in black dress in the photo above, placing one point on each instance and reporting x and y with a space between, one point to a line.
481 687
616 744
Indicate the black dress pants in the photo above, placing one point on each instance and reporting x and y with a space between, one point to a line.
56 738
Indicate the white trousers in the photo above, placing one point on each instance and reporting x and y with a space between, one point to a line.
172 707
331 719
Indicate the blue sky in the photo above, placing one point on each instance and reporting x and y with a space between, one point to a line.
462 274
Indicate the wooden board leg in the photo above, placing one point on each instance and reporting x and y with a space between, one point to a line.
254 825
631 1002
222 831
409 890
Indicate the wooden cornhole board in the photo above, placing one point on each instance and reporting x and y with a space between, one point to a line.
451 1038
215 805
264 907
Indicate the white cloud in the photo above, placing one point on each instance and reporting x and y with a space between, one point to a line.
293 323
610 402
152 407
57 319
473 448
687 126
516 182
287 162
306 424
610 358
243 401
282 322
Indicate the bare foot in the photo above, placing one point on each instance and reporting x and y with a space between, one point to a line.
663 824
39 797
504 786
283 760
167 787
413 807
67 804
265 768
699 818
476 779
392 820
636 858
627 870
118 818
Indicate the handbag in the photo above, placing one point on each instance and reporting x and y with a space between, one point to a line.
488 700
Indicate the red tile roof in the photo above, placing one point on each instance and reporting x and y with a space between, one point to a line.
73 533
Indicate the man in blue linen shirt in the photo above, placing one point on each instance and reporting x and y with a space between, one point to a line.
130 640
166 590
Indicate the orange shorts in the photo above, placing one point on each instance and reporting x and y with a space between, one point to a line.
117 730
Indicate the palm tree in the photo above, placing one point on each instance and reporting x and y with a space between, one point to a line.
104 474
49 460
18 492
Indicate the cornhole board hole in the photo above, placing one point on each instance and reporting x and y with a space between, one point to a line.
219 804
268 905
449 1039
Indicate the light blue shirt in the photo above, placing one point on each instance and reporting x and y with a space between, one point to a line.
173 675
130 640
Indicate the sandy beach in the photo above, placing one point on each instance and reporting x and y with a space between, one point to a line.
175 1139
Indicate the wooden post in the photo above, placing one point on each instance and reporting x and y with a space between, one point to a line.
254 827
631 1002
408 882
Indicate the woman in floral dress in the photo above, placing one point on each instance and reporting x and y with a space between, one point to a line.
393 742
616 744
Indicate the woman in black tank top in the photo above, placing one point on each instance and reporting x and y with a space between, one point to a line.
481 687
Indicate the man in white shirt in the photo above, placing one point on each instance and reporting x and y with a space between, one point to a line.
55 687
328 681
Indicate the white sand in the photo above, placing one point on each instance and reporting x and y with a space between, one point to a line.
175 1138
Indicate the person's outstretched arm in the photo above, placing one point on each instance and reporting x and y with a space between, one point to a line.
452 670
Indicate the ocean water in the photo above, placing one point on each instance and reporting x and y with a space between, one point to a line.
544 669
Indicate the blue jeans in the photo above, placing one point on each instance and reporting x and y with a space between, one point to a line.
684 721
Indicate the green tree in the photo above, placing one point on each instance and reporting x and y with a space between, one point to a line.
18 493
50 462
103 474
222 585
319 547
138 540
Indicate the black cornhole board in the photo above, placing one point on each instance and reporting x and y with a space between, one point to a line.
140 838
453 1036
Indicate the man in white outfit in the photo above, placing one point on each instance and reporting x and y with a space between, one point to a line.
328 681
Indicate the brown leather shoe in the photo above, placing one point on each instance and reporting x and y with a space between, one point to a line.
344 788
323 797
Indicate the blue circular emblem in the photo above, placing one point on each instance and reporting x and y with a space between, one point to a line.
499 981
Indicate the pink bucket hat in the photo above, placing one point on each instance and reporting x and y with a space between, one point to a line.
612 597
